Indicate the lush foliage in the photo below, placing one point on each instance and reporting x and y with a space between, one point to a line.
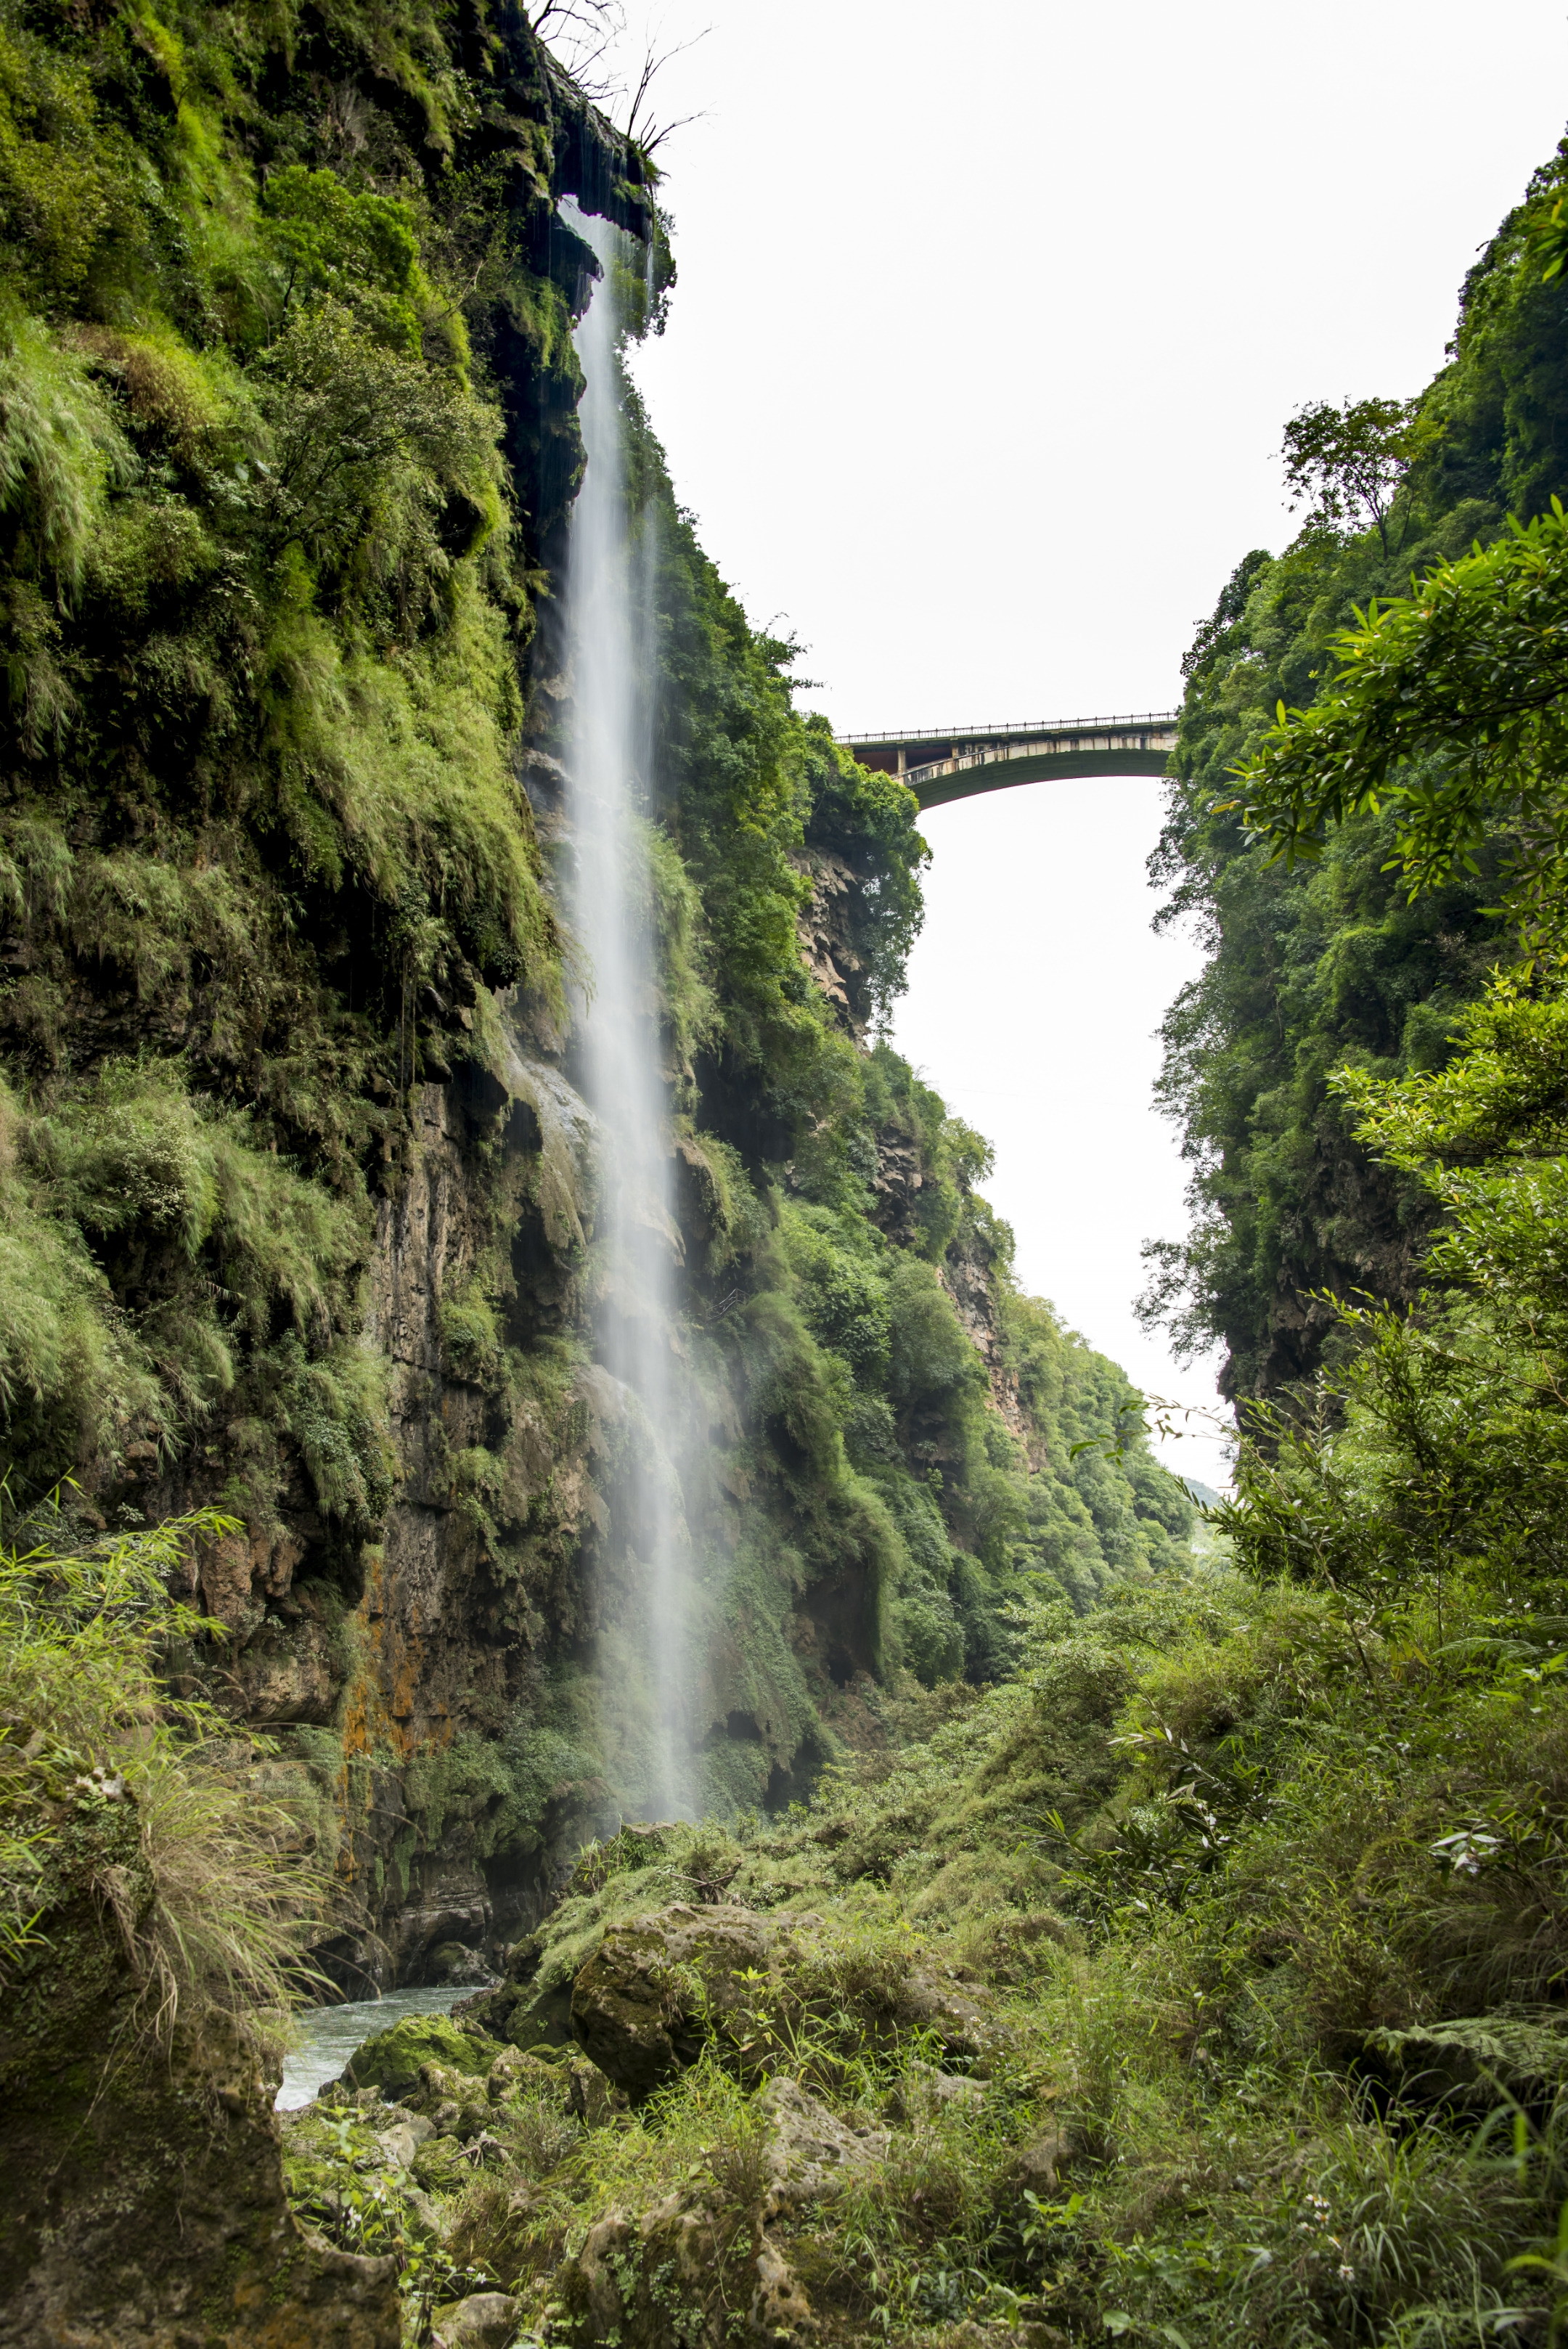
266 590
1243 1880
1329 958
287 450
1348 463
1445 708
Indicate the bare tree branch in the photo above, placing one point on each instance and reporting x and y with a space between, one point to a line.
652 134
582 34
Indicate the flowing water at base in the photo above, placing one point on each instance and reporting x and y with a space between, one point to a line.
328 2035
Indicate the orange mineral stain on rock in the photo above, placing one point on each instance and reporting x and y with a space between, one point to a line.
387 1717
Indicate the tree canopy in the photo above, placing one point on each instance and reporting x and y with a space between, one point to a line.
1446 707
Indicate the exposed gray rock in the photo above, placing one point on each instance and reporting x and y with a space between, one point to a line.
924 2092
485 2319
675 2273
403 2139
641 2283
824 927
810 2151
1035 2166
956 2016
450 1962
780 2309
591 2097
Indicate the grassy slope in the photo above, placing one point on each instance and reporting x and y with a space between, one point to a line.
1189 1854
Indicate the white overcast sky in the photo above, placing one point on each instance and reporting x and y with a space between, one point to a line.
987 322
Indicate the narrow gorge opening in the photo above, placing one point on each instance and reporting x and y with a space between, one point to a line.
543 1529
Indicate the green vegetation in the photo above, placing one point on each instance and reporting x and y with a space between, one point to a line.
297 1208
297 1204
1200 1981
210 1903
1329 958
1463 676
1086 1938
265 589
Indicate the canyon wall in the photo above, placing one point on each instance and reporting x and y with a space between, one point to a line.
301 1188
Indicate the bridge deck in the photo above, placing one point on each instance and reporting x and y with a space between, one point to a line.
960 763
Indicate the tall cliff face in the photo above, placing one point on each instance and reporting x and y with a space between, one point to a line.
301 1193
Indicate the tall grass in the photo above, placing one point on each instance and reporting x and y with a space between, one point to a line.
217 1910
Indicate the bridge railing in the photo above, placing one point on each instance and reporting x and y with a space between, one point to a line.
1150 737
1035 728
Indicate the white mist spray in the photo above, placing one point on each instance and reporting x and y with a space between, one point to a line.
644 1664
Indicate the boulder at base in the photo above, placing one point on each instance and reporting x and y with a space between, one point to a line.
143 2199
660 1985
391 2060
680 2273
485 2319
811 2153
642 2003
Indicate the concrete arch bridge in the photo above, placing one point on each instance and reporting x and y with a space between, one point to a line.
959 763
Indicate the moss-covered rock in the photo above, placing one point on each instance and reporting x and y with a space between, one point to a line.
393 2060
483 2320
107 2130
442 2167
532 2018
647 2000
661 1987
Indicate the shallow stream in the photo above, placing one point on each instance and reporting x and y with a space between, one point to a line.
328 2035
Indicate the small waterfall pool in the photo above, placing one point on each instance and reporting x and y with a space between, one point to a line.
328 2035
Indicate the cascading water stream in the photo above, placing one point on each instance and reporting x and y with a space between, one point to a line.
645 1661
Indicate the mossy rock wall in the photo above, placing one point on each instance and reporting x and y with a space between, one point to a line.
144 2204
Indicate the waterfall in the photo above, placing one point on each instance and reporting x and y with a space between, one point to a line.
644 1660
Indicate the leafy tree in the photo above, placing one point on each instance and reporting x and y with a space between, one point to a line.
1441 1447
1447 708
1549 240
1349 463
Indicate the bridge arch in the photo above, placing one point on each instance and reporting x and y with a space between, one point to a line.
960 762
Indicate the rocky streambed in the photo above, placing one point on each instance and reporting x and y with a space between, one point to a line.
326 2037
687 2140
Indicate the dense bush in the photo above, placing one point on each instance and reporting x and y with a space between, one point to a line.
217 1905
